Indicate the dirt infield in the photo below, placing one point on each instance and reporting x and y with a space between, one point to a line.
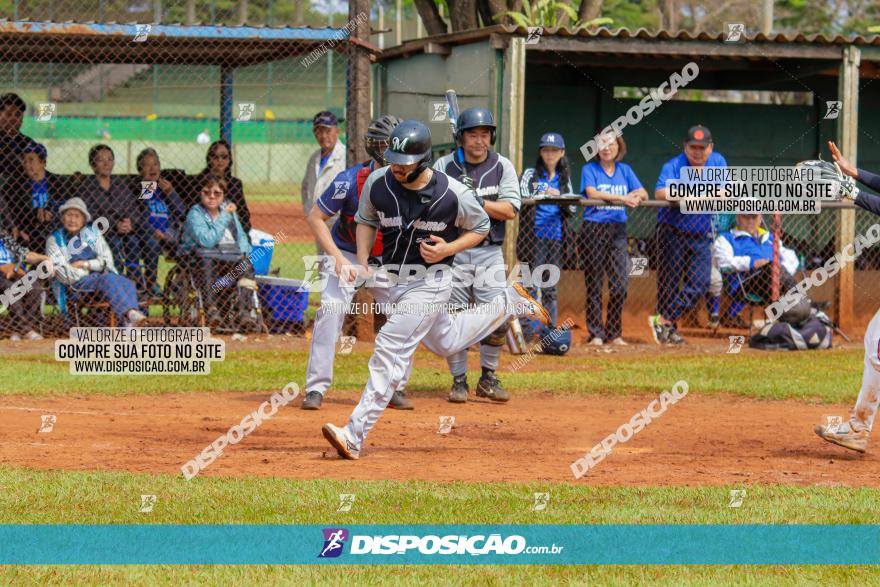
701 440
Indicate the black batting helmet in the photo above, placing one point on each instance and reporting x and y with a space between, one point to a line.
410 142
376 137
475 118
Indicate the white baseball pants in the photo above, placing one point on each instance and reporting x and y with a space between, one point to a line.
869 396
397 341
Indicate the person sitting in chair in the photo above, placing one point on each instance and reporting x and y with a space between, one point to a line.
24 304
745 258
130 239
84 264
218 248
166 212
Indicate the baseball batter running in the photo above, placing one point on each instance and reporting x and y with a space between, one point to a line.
341 198
495 181
426 218
854 434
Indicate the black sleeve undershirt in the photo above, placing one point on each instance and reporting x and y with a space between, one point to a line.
867 201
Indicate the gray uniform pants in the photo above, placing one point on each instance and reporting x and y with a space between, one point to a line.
483 267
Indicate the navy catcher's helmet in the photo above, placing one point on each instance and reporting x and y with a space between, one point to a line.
556 341
475 118
377 136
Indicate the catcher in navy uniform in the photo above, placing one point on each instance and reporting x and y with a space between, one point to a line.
496 184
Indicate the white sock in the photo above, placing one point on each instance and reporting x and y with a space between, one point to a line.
869 397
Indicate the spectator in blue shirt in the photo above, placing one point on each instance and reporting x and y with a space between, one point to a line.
603 244
166 213
684 242
24 304
745 257
549 177
33 205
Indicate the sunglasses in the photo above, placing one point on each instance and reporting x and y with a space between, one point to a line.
212 193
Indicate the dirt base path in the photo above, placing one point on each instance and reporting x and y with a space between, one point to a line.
702 440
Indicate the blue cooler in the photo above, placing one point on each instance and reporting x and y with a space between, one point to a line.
284 302
262 246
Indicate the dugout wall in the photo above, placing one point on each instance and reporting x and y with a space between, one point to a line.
576 83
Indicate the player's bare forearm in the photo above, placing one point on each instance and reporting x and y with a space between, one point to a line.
660 194
365 235
499 210
317 220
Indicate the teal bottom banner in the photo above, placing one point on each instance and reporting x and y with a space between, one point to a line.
440 544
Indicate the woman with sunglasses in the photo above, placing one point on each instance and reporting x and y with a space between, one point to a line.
218 162
217 250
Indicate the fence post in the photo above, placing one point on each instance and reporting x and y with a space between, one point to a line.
847 139
357 108
512 108
357 115
226 80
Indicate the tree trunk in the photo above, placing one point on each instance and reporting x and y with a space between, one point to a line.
431 17
669 11
767 17
190 12
589 10
462 15
561 17
496 9
243 11
298 11
484 13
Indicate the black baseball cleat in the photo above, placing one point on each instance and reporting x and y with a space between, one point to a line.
459 392
312 401
399 401
490 387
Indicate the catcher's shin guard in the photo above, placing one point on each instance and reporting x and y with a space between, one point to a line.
498 337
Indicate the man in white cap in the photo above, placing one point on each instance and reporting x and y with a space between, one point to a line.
326 162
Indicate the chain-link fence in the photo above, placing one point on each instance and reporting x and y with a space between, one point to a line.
616 276
109 135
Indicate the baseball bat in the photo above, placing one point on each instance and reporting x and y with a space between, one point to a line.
516 342
452 111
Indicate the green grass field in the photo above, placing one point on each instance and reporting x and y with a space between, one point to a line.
42 497
113 498
825 377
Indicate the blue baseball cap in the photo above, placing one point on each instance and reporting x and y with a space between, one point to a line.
35 147
552 139
325 118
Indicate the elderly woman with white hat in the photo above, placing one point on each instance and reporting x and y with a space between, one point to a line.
84 262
